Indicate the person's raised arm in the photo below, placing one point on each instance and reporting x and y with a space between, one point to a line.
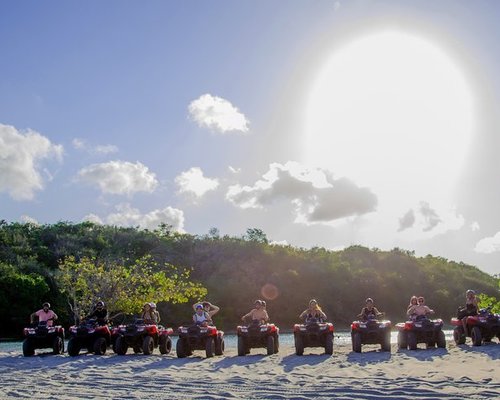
213 309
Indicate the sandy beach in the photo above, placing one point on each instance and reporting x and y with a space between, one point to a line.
455 372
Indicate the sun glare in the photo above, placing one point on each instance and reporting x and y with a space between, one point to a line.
392 112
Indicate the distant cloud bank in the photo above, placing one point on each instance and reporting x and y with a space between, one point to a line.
20 157
119 177
317 196
81 144
217 114
488 245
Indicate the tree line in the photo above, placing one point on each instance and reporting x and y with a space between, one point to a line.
74 264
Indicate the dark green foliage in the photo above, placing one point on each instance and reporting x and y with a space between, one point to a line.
235 270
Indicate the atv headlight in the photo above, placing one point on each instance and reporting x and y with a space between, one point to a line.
244 329
322 328
418 325
184 330
263 328
140 328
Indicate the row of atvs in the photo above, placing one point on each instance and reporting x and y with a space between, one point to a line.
144 338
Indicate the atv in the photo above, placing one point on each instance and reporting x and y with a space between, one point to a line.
43 336
142 337
480 328
200 337
258 335
90 335
314 333
421 330
371 331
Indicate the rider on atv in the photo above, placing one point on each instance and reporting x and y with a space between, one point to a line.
45 314
257 314
100 313
209 308
369 311
150 315
313 312
419 310
201 317
471 308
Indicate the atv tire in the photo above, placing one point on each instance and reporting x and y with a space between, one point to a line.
476 336
402 340
210 347
28 349
180 348
441 340
73 347
458 336
241 346
148 345
165 344
58 345
329 344
356 343
219 346
276 344
386 344
270 345
299 345
412 341
100 346
121 346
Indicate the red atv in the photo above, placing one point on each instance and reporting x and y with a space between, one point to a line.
143 338
421 330
480 328
43 336
258 335
89 335
200 337
314 333
371 331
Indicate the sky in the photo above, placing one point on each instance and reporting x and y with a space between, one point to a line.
324 123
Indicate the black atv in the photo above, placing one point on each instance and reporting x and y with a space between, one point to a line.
43 336
314 333
371 331
142 337
421 330
200 337
480 328
258 335
90 335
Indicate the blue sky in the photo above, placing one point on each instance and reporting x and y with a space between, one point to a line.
221 114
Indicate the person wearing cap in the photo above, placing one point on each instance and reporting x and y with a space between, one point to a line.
420 310
471 307
369 310
201 317
45 314
100 313
258 313
313 312
154 312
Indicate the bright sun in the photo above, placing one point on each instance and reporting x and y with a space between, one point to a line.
392 112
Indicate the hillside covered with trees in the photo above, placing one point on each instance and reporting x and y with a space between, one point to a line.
233 270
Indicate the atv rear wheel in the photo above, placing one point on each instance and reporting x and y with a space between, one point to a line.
210 347
441 340
241 346
148 345
476 336
28 349
386 344
219 346
180 348
270 345
100 346
276 344
73 347
58 345
402 340
412 341
121 346
165 344
356 343
458 335
329 344
299 345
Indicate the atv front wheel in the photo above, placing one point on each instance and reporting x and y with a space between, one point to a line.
476 336
210 347
386 344
219 346
181 349
58 345
299 345
441 340
100 346
458 335
412 341
148 345
73 347
165 344
329 344
121 346
28 349
402 340
241 346
356 343
270 345
276 344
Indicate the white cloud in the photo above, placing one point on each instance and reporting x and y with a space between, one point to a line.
92 218
129 216
193 182
217 114
430 215
407 220
234 170
474 226
283 243
428 220
318 197
488 245
20 156
29 220
119 177
81 144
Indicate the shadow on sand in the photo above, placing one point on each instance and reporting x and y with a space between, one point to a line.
423 354
291 361
491 349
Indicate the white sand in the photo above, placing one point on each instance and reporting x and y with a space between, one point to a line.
457 372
